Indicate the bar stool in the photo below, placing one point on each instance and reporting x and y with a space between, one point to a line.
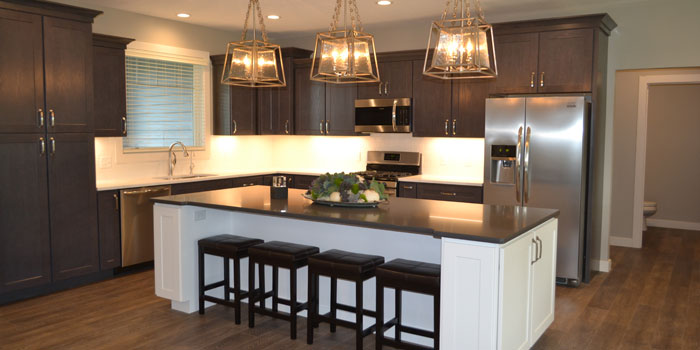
348 266
414 276
277 254
228 247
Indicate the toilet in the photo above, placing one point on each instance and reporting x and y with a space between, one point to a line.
649 210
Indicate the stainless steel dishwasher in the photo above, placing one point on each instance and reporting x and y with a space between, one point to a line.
137 223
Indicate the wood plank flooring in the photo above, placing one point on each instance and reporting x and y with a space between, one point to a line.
651 300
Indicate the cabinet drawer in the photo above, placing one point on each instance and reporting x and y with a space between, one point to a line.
408 189
471 194
248 181
304 181
200 186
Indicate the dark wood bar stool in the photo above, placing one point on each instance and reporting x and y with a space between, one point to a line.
414 276
229 247
348 266
277 254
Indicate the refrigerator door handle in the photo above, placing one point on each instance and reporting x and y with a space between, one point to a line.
526 166
517 165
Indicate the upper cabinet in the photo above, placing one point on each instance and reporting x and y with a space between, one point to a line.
395 81
109 79
550 56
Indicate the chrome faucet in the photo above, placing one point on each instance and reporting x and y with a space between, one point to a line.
172 158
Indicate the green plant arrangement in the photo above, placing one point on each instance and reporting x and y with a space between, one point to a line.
346 188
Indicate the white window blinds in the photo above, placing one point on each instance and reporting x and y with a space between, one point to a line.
164 103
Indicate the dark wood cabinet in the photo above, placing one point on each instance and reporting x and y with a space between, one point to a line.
340 109
109 227
395 82
109 79
235 111
454 193
72 199
407 190
469 107
21 71
304 181
517 63
309 103
247 181
68 75
200 186
566 61
25 251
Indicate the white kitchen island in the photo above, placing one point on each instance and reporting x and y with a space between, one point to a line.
497 262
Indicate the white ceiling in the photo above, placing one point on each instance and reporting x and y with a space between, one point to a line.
308 15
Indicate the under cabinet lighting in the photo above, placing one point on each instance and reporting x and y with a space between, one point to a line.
183 15
384 2
273 17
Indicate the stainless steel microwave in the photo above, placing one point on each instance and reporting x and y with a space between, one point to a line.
383 115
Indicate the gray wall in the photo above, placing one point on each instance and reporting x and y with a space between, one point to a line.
672 168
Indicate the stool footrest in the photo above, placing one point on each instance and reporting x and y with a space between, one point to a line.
214 285
353 309
343 323
278 314
404 345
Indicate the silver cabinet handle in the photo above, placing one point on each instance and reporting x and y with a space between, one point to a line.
235 127
327 128
53 145
320 127
393 115
542 79
286 126
52 115
451 194
539 242
537 252
41 117
517 165
386 88
380 88
123 125
408 187
116 202
42 146
526 163
532 80
454 127
447 122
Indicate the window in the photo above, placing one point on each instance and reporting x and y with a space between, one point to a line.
165 102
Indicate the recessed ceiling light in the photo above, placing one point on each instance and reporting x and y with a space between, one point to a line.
183 15
384 2
273 17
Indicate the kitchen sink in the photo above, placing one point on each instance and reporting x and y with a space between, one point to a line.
180 177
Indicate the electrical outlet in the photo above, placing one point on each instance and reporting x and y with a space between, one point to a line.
104 162
200 215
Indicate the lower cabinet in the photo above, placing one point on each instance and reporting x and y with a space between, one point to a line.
247 181
108 209
200 186
454 193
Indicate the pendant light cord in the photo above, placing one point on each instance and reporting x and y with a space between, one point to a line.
459 7
254 6
346 6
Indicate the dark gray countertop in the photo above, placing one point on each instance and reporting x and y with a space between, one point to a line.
477 222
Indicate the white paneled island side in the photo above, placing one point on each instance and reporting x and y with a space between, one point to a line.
497 262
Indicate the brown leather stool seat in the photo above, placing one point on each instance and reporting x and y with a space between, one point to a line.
413 276
348 266
228 247
277 254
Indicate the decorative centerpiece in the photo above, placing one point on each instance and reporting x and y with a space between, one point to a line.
349 190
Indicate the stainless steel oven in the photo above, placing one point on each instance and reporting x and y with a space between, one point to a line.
383 115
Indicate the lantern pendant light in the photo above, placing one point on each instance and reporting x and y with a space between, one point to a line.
253 63
346 55
461 47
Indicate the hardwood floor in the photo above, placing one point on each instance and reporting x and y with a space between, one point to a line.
651 300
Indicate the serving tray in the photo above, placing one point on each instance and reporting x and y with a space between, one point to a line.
345 204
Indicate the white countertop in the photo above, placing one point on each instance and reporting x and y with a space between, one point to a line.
116 184
443 180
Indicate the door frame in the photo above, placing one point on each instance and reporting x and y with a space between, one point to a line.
641 146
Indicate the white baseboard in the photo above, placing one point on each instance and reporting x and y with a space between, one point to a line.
683 225
622 242
601 265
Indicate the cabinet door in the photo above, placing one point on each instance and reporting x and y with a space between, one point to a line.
243 111
73 199
25 254
309 103
514 294
21 72
516 56
340 109
222 100
304 181
566 61
69 70
469 194
247 181
408 190
432 104
109 91
201 186
543 281
109 228
276 105
396 82
469 107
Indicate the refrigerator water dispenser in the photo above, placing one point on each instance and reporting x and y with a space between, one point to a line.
503 164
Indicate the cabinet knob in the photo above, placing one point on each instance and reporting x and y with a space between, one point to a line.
542 79
451 194
286 126
447 122
327 128
454 127
320 127
408 187
386 88
123 125
532 80
42 146
53 145
52 115
380 88
235 127
41 117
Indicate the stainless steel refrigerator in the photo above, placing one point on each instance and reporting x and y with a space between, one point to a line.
536 156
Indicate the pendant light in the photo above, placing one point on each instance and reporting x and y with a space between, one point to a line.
346 55
461 47
253 63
